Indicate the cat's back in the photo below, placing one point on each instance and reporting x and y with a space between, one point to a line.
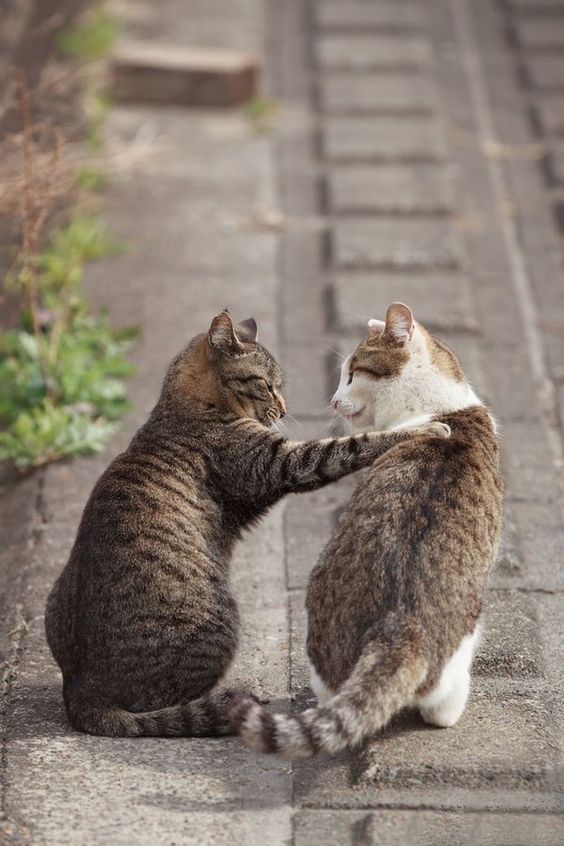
426 508
154 476
430 483
417 538
151 504
149 530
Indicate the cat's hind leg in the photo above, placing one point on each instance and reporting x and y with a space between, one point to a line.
444 705
322 692
447 711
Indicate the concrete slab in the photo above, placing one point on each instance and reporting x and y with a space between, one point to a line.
442 302
387 15
426 828
390 189
390 93
384 138
371 52
398 244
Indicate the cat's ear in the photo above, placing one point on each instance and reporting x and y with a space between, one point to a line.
375 327
222 335
247 330
399 323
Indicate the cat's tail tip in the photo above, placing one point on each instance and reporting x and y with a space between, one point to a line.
247 718
285 735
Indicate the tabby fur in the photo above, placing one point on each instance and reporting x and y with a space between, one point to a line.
142 621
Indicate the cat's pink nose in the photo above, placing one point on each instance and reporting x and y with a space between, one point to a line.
335 403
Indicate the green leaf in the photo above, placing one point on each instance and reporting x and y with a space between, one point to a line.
91 38
48 433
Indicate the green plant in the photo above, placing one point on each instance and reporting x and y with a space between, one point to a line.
76 412
261 113
61 390
92 37
88 41
62 368
91 178
48 433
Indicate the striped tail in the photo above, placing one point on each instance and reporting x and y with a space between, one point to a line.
203 717
383 681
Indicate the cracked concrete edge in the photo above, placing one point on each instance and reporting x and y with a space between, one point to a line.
19 510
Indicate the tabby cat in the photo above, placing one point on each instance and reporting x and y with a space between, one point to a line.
142 621
394 602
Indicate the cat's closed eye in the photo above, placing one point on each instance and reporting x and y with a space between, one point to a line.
350 378
253 387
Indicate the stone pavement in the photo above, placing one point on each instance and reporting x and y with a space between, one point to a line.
418 155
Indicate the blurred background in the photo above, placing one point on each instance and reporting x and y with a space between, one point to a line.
304 162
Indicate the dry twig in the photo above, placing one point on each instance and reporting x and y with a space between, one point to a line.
29 198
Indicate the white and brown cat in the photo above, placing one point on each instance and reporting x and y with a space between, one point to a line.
394 602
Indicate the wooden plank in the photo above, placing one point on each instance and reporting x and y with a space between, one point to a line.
190 76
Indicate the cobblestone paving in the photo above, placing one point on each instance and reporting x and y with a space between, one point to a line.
417 156
411 159
535 32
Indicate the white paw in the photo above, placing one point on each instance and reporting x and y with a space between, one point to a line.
441 718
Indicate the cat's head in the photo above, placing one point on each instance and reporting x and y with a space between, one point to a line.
226 370
399 372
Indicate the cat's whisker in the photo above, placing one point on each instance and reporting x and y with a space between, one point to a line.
340 354
284 430
295 421
324 411
335 427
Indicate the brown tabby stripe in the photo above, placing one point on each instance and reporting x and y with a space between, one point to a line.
268 731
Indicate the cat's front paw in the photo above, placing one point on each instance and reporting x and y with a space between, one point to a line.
439 430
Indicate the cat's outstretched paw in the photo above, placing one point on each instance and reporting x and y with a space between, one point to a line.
439 430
